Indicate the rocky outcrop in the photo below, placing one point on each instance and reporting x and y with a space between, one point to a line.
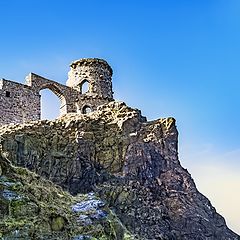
131 164
34 208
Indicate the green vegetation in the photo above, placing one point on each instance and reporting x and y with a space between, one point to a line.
34 208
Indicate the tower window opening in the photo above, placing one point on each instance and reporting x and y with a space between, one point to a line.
84 87
8 94
86 110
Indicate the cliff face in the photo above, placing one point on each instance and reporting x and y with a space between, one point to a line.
128 162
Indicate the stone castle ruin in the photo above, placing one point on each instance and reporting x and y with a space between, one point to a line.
89 85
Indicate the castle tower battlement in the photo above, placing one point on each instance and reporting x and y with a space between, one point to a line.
92 77
89 85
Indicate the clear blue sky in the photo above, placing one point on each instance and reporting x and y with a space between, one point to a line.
170 58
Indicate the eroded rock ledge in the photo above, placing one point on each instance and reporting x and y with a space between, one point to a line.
128 162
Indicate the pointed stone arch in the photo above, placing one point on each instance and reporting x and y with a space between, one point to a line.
55 89
50 105
66 94
84 86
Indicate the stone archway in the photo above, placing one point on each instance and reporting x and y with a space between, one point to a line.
54 89
66 94
84 86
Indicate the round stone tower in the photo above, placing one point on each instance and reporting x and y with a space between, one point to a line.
92 78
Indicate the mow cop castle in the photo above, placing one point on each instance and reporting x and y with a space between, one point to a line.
89 85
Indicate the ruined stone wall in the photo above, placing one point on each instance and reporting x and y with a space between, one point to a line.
93 102
21 103
18 103
67 96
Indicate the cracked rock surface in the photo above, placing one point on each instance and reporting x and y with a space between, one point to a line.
131 164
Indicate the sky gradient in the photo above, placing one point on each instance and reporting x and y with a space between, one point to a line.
169 58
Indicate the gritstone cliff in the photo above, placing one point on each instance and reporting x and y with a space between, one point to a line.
126 170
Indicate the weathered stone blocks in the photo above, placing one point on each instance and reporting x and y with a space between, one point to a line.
20 103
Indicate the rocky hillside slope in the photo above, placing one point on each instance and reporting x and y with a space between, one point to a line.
34 208
132 165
